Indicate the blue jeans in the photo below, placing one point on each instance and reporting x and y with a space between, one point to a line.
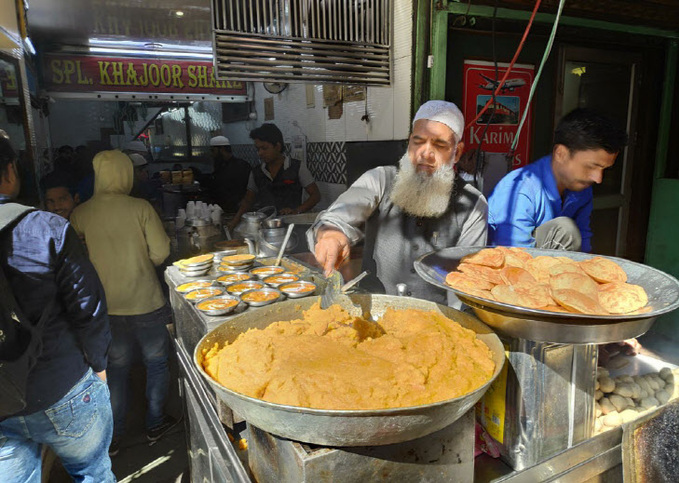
149 333
78 428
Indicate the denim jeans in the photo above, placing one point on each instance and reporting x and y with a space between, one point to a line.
78 428
149 333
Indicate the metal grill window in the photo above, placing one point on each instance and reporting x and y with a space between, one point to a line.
319 41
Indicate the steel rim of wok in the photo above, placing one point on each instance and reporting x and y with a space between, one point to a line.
427 268
373 427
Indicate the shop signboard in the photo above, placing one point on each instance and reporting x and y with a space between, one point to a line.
505 115
81 74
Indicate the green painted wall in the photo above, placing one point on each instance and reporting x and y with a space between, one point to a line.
662 244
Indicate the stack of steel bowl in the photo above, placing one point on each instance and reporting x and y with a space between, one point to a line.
197 266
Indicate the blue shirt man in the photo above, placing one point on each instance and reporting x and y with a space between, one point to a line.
528 197
548 203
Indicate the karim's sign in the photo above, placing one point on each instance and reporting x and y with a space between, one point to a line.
496 128
74 74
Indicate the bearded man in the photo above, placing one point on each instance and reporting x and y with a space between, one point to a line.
404 212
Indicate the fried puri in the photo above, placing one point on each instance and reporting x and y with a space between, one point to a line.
603 270
527 281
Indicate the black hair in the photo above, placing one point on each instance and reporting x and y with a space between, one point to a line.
7 155
225 147
65 149
585 129
57 179
268 133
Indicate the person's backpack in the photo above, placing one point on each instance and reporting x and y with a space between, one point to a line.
20 340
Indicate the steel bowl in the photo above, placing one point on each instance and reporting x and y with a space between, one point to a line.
238 288
345 427
223 311
266 271
565 328
217 256
280 279
195 273
216 291
247 276
187 290
224 268
267 290
296 295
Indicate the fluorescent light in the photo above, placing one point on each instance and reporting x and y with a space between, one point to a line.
179 13
150 53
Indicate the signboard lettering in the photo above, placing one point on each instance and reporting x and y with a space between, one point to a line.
69 73
501 120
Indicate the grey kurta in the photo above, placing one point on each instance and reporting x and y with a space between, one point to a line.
394 239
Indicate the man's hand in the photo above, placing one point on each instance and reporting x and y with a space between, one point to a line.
287 211
332 249
101 375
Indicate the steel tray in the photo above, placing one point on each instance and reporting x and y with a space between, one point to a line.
543 326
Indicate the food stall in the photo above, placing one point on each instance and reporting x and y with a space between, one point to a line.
540 406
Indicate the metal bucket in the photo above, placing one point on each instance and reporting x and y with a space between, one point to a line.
345 427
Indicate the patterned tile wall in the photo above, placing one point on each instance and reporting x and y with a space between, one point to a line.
327 162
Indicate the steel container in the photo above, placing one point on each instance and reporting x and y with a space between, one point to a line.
345 427
564 328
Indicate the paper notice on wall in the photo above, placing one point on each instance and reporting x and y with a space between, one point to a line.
332 95
310 96
298 147
268 109
353 93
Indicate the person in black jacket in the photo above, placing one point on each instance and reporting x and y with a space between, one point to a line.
68 405
230 176
279 180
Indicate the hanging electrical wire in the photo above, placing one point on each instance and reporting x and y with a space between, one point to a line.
548 49
480 158
511 64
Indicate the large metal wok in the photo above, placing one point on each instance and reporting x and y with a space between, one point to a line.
543 326
345 427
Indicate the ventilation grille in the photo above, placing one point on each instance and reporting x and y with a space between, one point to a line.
316 41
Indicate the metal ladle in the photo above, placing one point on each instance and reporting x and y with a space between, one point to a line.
284 245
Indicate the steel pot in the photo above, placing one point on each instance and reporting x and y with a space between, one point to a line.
345 427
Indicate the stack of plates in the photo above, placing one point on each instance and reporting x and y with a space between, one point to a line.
240 262
195 266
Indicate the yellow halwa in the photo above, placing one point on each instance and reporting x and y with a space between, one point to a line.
331 360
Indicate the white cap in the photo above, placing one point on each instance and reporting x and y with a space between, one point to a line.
444 112
138 160
136 146
220 141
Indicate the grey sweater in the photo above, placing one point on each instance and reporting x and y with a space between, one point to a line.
394 239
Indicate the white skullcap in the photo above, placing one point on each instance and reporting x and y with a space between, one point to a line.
135 146
220 141
138 160
444 112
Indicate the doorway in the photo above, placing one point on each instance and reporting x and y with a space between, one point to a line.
606 81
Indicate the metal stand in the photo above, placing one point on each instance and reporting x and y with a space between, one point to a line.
446 455
543 403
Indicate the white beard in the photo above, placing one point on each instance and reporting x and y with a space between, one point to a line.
421 194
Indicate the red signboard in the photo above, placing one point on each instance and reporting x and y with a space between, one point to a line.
510 103
73 73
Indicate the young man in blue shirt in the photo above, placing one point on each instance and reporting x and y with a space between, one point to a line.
548 203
